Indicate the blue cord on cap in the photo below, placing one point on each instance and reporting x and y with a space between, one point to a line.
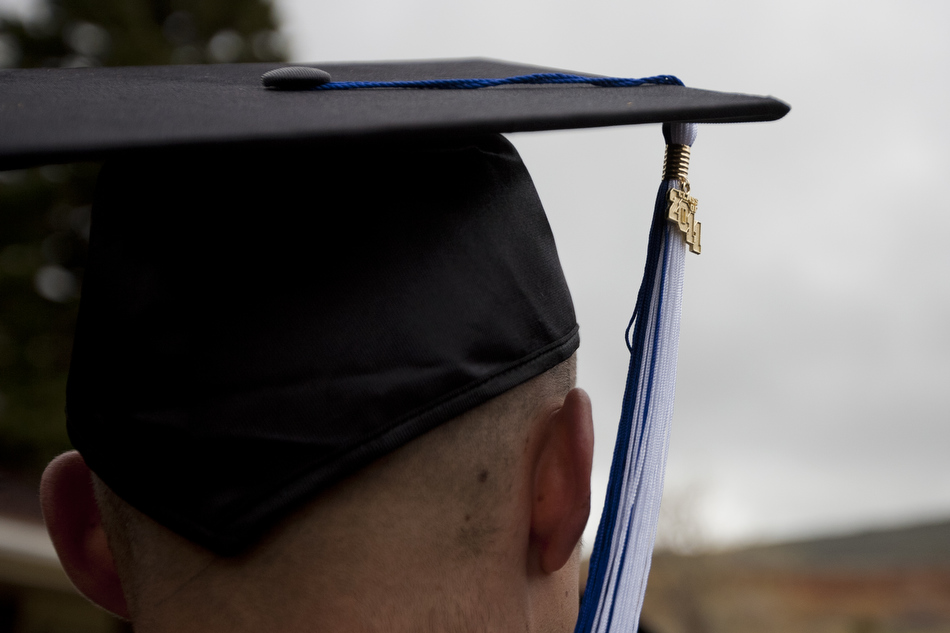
471 84
308 78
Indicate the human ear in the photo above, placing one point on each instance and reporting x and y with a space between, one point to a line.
75 527
560 503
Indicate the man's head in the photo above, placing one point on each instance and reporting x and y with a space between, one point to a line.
373 339
472 526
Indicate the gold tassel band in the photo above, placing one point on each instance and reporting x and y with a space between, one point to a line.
680 206
676 162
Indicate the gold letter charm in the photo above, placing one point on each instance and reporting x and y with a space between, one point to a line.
682 210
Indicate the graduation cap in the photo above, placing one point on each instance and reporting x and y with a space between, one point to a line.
291 277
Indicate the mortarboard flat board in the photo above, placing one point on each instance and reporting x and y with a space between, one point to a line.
56 115
214 388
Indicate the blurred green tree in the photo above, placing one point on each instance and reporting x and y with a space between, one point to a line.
44 213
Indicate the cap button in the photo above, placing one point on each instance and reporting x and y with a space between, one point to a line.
295 78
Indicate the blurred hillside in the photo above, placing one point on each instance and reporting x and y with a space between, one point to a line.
890 581
45 213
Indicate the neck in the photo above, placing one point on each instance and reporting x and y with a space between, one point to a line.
458 601
465 599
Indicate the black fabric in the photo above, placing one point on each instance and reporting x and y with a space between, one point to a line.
60 115
254 327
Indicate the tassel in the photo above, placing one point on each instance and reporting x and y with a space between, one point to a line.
620 561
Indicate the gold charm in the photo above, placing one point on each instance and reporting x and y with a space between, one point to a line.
681 209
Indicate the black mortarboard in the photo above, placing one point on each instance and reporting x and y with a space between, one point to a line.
287 284
49 115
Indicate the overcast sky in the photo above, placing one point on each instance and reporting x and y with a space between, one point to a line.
815 352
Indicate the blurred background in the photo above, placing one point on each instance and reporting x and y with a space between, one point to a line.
808 473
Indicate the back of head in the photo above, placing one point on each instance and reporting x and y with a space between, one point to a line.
324 387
